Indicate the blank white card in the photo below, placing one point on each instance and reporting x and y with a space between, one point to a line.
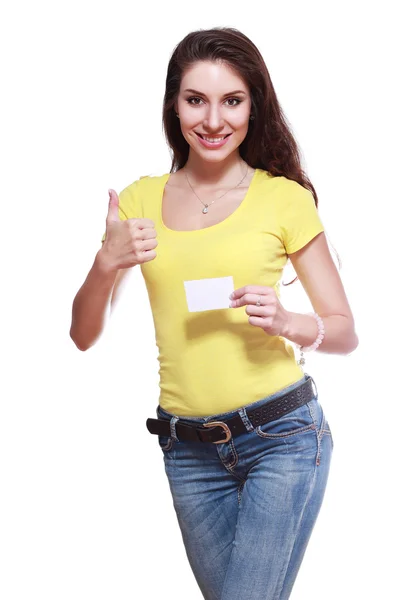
208 294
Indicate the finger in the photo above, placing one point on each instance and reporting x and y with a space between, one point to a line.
257 322
250 299
146 234
249 289
113 207
148 244
143 223
257 311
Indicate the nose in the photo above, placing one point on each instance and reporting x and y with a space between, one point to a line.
213 120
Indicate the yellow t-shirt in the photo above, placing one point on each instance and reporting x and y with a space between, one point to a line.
214 361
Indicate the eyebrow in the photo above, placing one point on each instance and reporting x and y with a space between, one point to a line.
228 94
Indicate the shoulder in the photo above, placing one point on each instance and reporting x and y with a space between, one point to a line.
288 188
282 192
278 184
145 183
290 196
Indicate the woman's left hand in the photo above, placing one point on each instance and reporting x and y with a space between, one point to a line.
270 315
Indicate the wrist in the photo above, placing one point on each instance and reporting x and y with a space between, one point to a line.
103 264
299 328
320 336
287 326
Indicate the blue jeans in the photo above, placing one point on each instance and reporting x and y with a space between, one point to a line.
246 508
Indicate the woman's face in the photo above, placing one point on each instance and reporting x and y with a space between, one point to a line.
213 102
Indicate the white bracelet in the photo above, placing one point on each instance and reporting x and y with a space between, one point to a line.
314 346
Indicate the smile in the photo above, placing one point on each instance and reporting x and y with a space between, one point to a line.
213 139
213 142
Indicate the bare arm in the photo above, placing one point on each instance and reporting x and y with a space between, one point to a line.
92 302
321 281
128 243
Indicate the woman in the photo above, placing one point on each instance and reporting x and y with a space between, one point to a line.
245 441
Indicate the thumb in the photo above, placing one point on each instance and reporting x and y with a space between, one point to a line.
113 213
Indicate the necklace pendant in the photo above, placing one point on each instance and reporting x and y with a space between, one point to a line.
205 209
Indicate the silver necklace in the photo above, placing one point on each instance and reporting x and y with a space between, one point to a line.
205 209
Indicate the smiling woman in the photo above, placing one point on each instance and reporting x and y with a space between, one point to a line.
245 441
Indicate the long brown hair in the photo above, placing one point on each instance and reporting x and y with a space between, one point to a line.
269 144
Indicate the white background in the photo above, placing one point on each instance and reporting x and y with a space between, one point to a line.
85 510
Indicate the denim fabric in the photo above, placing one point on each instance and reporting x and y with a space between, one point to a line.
246 508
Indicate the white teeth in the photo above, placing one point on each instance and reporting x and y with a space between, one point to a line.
213 139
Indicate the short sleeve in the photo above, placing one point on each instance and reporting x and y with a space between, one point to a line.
129 204
298 216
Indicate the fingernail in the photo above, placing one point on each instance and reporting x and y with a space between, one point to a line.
231 296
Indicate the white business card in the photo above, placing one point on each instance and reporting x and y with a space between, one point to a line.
208 294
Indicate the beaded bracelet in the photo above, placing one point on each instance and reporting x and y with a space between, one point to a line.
314 346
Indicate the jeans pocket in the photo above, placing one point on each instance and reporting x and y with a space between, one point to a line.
299 420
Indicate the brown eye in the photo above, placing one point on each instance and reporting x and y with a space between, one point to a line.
196 98
189 101
235 100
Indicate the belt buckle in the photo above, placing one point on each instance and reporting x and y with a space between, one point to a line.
224 427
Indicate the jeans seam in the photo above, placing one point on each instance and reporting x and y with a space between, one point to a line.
235 456
240 490
312 486
274 436
317 433
322 428
229 466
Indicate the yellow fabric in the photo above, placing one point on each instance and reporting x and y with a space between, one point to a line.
215 361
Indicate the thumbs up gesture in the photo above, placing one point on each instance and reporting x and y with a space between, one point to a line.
128 242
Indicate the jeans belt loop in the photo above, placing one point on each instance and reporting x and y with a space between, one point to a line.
246 421
172 425
315 390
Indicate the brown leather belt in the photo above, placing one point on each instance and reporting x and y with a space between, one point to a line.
219 432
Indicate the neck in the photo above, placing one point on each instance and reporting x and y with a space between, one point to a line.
211 173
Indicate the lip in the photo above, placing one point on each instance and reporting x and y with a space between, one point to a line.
212 144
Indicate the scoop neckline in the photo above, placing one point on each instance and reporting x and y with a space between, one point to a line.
164 182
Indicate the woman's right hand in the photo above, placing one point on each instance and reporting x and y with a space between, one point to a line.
128 242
